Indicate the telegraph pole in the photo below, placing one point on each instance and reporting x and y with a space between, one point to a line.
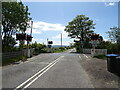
61 39
47 41
118 41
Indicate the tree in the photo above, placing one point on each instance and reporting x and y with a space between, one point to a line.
80 28
11 44
15 17
104 45
114 34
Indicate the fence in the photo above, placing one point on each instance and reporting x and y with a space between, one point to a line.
87 51
23 52
96 52
10 55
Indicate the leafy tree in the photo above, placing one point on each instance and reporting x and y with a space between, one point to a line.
80 28
104 45
15 17
11 44
114 34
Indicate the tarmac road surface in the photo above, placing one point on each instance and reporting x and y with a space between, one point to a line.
55 70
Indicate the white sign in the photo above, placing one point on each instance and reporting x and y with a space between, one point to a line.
94 43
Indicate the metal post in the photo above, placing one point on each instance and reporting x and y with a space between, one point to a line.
47 42
61 39
48 45
119 14
31 27
94 50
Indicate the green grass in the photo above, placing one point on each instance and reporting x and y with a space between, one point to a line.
58 51
100 56
13 60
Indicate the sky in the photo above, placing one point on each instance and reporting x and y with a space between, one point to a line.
50 18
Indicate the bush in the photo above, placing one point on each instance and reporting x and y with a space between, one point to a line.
114 48
111 47
62 48
39 48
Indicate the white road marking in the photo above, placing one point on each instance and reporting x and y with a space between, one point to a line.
39 76
80 57
86 57
41 72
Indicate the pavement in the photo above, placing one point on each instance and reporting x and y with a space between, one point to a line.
55 70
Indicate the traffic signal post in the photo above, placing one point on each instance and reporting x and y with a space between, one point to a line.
94 41
22 37
50 45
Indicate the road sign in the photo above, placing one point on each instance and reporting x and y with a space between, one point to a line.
94 43
94 37
49 46
29 37
20 36
50 42
76 41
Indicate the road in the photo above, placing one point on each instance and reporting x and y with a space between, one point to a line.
53 70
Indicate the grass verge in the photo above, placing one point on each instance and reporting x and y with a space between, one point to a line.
13 60
100 56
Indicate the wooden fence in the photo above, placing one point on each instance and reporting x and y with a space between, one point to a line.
10 55
23 52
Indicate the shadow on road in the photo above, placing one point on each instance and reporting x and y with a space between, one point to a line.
74 52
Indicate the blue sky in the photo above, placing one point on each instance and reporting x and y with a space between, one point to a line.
50 18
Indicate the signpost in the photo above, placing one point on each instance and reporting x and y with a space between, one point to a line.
94 41
22 37
50 45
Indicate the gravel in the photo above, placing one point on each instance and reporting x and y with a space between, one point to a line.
100 77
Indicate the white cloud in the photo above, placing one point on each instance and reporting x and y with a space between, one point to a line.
64 35
44 26
34 31
109 4
105 39
56 42
38 40
39 27
34 39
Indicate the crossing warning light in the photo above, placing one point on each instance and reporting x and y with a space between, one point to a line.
50 42
29 37
20 36
94 37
